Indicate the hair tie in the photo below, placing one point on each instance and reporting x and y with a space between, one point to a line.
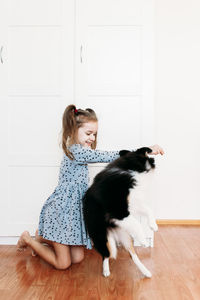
75 111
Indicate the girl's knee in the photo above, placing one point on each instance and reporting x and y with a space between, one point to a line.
62 259
78 258
62 265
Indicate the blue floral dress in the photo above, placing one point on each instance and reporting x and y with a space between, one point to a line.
61 217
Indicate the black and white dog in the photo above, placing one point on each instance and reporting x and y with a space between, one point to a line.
110 203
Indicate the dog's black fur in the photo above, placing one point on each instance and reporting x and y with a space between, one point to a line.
106 199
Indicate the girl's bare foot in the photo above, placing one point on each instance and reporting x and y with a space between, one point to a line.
23 241
38 238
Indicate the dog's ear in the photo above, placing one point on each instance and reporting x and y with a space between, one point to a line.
123 152
143 151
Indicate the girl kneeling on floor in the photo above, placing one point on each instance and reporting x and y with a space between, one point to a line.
61 224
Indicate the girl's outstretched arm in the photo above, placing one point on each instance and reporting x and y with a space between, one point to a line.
84 155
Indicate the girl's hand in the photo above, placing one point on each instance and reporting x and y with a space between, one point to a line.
156 149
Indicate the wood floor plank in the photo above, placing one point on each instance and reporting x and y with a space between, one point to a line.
174 263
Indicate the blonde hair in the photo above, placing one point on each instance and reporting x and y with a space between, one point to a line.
72 120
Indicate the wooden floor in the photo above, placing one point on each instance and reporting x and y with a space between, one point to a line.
174 262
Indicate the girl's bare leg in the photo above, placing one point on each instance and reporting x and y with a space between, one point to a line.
58 255
77 254
40 239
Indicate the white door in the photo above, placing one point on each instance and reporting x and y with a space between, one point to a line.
114 72
115 69
35 55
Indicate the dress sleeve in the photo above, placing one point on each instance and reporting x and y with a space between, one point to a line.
84 155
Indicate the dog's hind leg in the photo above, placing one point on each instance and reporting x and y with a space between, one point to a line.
138 263
106 269
112 248
127 242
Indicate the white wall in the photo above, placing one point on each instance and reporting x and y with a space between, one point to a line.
177 25
177 44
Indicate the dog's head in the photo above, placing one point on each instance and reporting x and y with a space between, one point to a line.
137 160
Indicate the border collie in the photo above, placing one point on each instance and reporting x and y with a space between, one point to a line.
110 203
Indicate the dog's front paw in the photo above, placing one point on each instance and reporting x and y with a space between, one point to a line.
153 226
106 273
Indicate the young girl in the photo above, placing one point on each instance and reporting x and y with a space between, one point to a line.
61 224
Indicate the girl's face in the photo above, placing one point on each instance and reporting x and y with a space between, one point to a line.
86 134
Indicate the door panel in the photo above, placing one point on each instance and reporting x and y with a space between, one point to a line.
125 114
37 12
36 53
114 61
115 73
36 75
34 124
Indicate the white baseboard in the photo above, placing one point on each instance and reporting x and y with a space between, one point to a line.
8 240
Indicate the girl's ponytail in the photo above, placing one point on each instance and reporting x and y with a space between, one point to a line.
73 119
69 128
